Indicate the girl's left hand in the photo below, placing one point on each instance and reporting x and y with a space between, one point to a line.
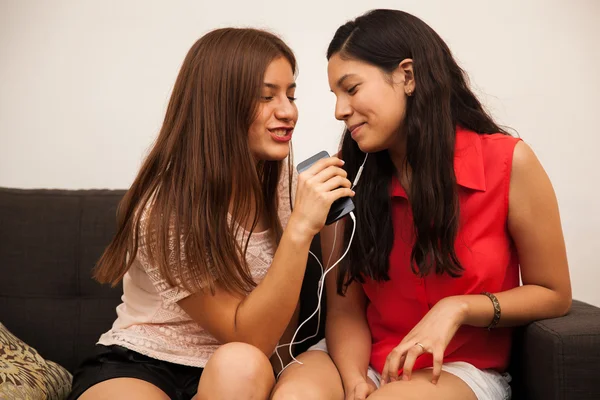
431 335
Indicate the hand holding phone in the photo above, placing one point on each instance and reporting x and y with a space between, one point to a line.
340 207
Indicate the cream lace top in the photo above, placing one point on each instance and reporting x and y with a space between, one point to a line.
150 322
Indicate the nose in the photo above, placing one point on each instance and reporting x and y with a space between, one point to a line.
343 111
286 111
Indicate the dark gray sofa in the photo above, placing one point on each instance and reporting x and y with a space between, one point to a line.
50 239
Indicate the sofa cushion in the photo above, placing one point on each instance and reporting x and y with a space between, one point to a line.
49 243
25 374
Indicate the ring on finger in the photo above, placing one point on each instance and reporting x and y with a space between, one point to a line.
423 347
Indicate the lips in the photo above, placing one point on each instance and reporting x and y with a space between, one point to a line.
354 129
282 133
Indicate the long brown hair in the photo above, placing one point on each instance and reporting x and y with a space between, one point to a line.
199 166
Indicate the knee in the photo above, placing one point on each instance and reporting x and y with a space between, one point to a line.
242 361
237 370
295 391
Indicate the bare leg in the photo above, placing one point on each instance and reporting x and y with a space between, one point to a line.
124 389
449 387
317 379
236 371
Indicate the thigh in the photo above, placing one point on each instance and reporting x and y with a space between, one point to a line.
124 389
316 378
449 387
114 369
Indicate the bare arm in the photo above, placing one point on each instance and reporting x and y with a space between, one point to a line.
534 224
284 352
261 317
350 352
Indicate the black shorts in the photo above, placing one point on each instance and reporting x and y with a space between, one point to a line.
179 382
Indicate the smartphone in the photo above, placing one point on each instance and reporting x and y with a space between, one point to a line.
341 207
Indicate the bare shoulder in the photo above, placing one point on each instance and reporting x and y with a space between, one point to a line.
528 175
524 157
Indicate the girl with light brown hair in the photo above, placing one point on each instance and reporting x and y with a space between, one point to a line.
213 236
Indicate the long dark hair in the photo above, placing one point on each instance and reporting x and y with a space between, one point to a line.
442 100
201 161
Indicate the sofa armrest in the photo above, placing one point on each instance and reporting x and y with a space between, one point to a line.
560 357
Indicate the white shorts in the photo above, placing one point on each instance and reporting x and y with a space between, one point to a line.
486 384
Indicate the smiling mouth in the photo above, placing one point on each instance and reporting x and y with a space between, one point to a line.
353 128
281 132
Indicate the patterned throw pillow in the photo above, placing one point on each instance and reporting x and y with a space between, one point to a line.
24 374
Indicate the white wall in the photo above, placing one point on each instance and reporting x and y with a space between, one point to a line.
84 85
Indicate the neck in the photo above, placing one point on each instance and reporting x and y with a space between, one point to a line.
397 152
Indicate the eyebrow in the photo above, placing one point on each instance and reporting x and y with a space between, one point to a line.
274 86
343 78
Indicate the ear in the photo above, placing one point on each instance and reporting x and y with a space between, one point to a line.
404 75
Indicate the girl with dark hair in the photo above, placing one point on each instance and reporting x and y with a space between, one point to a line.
209 250
450 209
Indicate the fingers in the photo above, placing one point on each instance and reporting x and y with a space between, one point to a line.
392 365
334 183
405 359
360 392
323 164
384 373
329 173
341 192
438 361
370 387
409 362
326 175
